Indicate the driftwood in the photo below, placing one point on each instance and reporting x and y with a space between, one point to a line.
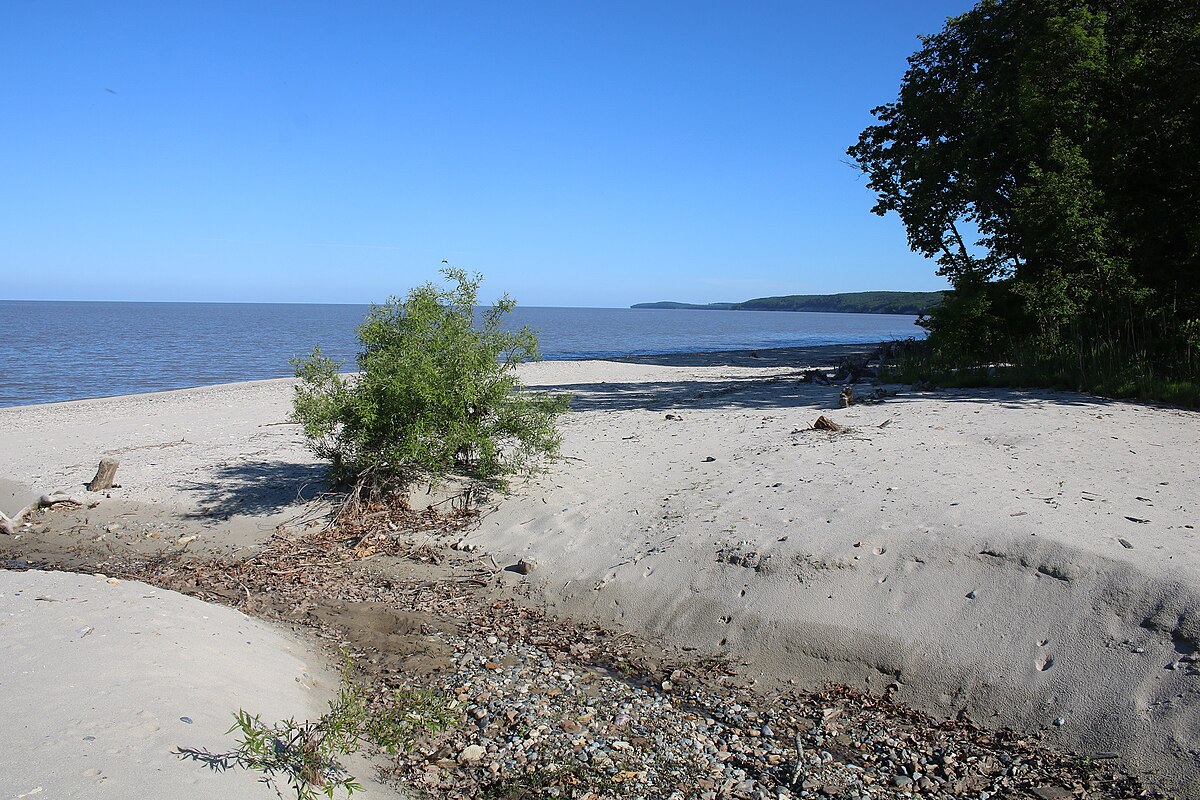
824 423
849 370
8 525
105 474
853 370
849 398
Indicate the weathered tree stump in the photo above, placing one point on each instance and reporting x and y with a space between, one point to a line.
104 475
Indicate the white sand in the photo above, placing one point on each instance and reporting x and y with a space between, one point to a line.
103 683
222 462
850 557
970 551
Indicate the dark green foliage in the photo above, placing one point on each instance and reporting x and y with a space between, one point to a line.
844 303
849 303
436 394
1065 132
972 322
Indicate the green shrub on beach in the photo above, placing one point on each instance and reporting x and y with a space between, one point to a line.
306 754
436 394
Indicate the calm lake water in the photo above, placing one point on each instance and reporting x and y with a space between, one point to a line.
51 351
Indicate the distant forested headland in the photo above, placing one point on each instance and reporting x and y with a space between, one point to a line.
844 303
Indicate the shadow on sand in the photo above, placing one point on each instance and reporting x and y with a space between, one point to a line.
256 488
789 391
825 355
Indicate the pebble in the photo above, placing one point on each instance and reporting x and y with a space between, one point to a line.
550 709
718 743
471 754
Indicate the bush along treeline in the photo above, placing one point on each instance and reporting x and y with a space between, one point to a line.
436 395
1047 154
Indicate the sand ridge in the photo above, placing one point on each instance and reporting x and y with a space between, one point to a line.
982 550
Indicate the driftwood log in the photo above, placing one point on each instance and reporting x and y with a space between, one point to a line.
105 474
824 423
8 525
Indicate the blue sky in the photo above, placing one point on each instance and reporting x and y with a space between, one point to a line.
575 153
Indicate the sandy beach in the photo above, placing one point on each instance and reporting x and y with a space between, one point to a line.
115 689
1026 558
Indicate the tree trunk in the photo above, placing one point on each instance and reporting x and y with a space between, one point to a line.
104 475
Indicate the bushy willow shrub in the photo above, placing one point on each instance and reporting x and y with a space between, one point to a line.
437 394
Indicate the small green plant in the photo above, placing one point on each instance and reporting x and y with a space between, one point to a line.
437 394
306 753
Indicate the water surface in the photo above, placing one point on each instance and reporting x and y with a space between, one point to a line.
51 351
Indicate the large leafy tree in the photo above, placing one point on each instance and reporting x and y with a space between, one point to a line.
1050 147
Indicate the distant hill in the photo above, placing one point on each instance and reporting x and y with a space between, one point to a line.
848 302
669 304
845 303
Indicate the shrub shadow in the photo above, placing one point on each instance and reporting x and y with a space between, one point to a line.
256 488
217 762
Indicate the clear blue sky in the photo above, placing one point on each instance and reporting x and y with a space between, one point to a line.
576 153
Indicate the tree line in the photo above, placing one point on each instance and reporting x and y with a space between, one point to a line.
1046 153
844 303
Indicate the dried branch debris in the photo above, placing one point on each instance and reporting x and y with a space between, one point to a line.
9 525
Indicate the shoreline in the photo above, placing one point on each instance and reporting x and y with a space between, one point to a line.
1024 557
675 358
